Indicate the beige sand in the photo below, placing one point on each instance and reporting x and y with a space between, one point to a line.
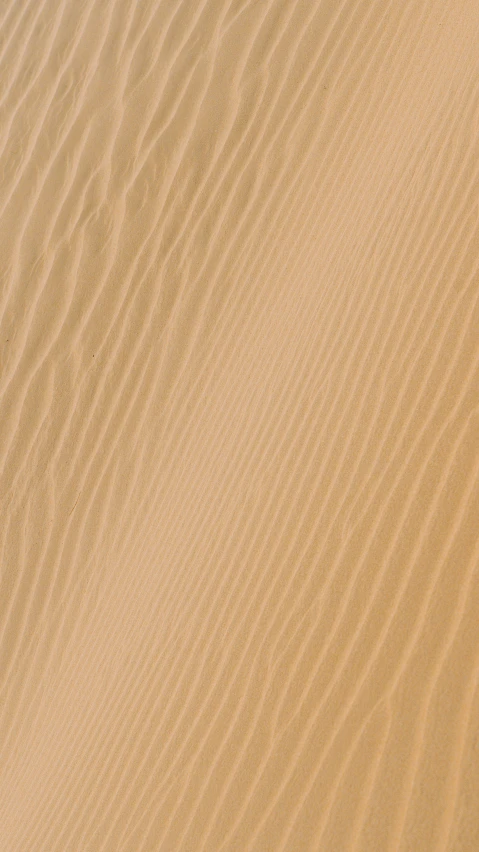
239 425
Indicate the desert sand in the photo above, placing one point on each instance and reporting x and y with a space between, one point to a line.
239 426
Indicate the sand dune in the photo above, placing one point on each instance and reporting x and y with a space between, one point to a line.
239 426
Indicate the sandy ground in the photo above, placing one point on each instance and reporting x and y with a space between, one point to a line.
239 426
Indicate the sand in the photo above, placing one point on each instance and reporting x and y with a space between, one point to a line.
239 426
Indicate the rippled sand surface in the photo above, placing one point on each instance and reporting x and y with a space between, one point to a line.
239 426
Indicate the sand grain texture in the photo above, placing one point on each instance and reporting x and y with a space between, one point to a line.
239 426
